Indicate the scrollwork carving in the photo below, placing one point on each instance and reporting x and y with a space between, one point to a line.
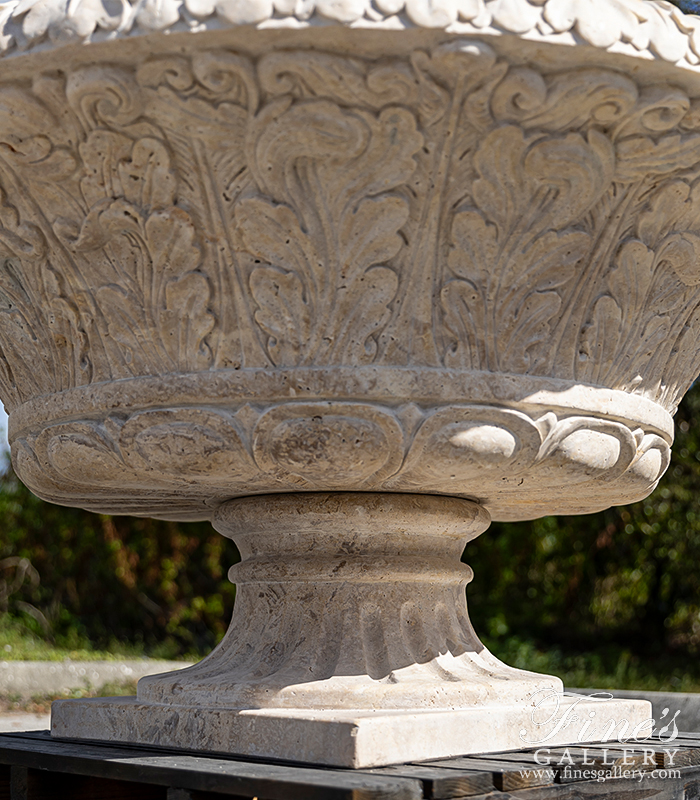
305 209
509 459
450 213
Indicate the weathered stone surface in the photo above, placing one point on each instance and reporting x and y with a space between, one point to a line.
458 274
349 601
350 645
445 272
362 738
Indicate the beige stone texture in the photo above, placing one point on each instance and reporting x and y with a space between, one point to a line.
349 279
349 601
345 738
369 262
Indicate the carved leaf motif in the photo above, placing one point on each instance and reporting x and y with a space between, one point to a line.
579 170
182 293
500 191
127 341
631 279
600 338
671 225
187 321
649 283
161 290
24 375
363 308
42 341
529 189
465 313
158 312
659 109
666 206
639 157
203 106
333 222
66 328
344 80
635 322
146 179
283 312
682 252
565 101
551 263
464 301
31 138
603 339
683 363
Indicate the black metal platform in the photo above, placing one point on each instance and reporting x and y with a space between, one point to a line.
33 766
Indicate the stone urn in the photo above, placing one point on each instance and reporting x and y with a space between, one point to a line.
349 279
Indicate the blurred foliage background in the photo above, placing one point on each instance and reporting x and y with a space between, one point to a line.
609 600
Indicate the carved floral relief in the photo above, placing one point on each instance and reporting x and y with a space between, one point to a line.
449 212
310 210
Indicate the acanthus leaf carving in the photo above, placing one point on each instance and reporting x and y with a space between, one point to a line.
154 300
330 224
512 253
307 209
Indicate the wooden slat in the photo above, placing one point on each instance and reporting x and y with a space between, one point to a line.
506 775
204 774
92 771
624 789
37 784
681 752
187 794
439 783
574 764
618 789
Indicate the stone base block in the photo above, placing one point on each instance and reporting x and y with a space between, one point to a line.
349 738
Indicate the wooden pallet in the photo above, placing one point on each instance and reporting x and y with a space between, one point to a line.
33 766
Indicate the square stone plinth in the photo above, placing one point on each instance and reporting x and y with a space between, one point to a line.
348 738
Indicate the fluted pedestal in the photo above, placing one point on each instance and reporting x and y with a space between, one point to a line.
437 259
350 645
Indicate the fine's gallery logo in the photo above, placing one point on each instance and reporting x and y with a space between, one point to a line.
552 712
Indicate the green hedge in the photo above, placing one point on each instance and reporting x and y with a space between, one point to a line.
153 584
625 580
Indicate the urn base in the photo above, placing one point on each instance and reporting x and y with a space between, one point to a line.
347 738
350 646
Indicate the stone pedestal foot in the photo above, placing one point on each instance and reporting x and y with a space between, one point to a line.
350 645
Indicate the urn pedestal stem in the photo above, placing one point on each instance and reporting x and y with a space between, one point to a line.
349 601
350 645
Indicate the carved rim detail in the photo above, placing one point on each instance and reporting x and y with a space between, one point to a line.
645 28
387 386
182 462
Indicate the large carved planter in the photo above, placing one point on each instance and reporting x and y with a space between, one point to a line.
350 290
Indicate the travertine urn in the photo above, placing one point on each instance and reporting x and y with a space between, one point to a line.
350 280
